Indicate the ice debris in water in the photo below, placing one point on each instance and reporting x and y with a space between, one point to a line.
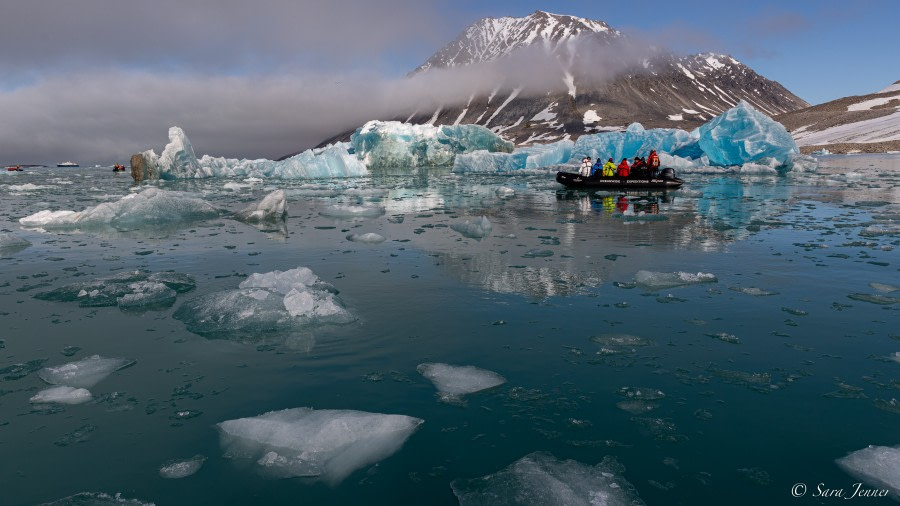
178 161
881 287
62 395
150 207
478 229
877 466
349 211
742 134
272 207
11 243
540 479
326 444
454 381
84 373
657 280
97 499
505 192
176 469
615 344
130 290
368 237
385 144
264 303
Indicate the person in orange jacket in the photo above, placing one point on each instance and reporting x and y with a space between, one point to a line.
623 169
653 164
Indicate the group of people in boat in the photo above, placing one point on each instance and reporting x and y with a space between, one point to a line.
640 168
118 168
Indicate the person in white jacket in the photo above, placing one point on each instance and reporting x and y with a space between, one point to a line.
585 167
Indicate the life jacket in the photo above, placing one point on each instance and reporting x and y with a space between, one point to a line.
609 169
624 170
653 160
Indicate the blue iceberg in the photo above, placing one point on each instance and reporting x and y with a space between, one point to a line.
636 141
385 144
742 134
178 161
529 157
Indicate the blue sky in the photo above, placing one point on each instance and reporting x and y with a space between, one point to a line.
98 80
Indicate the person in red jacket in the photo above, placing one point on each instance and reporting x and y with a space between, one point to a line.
623 169
653 164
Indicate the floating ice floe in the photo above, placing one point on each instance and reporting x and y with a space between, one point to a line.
478 229
272 207
62 395
177 469
178 161
877 466
385 144
131 290
540 479
148 208
325 444
84 373
368 237
267 303
659 280
454 381
615 344
97 499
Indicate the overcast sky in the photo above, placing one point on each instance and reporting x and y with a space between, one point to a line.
97 80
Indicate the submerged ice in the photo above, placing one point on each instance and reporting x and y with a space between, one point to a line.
453 381
130 290
325 444
84 373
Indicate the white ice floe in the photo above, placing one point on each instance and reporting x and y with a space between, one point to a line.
177 469
145 294
325 444
348 211
272 207
478 229
368 237
877 466
453 381
84 373
62 395
658 280
540 479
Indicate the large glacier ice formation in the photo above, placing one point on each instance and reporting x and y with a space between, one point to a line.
742 134
325 444
527 158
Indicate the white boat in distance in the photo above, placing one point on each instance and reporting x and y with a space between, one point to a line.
67 164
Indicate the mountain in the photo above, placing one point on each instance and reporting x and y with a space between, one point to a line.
545 77
867 123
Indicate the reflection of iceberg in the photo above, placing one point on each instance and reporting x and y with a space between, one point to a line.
384 144
541 479
179 161
326 444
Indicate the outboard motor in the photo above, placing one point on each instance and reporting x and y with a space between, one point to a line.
667 173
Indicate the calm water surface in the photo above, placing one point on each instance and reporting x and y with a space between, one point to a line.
769 374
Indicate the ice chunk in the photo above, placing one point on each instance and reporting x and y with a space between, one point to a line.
384 144
742 134
84 373
267 303
636 141
542 155
352 211
658 280
326 444
145 294
540 479
368 237
128 290
151 207
178 161
97 499
12 243
878 466
176 469
478 229
454 381
272 207
62 395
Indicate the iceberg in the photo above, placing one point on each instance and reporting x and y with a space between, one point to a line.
542 480
151 207
325 444
62 395
386 144
265 304
178 161
272 207
878 466
84 373
478 229
129 290
742 134
636 141
453 381
524 158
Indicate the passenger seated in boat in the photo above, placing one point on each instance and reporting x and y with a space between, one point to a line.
638 168
585 167
653 164
597 169
609 168
623 170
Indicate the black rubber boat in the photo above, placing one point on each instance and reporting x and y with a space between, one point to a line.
665 181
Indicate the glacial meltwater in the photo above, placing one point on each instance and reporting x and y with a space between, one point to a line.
427 337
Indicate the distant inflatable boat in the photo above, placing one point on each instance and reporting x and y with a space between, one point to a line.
67 164
15 168
665 181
